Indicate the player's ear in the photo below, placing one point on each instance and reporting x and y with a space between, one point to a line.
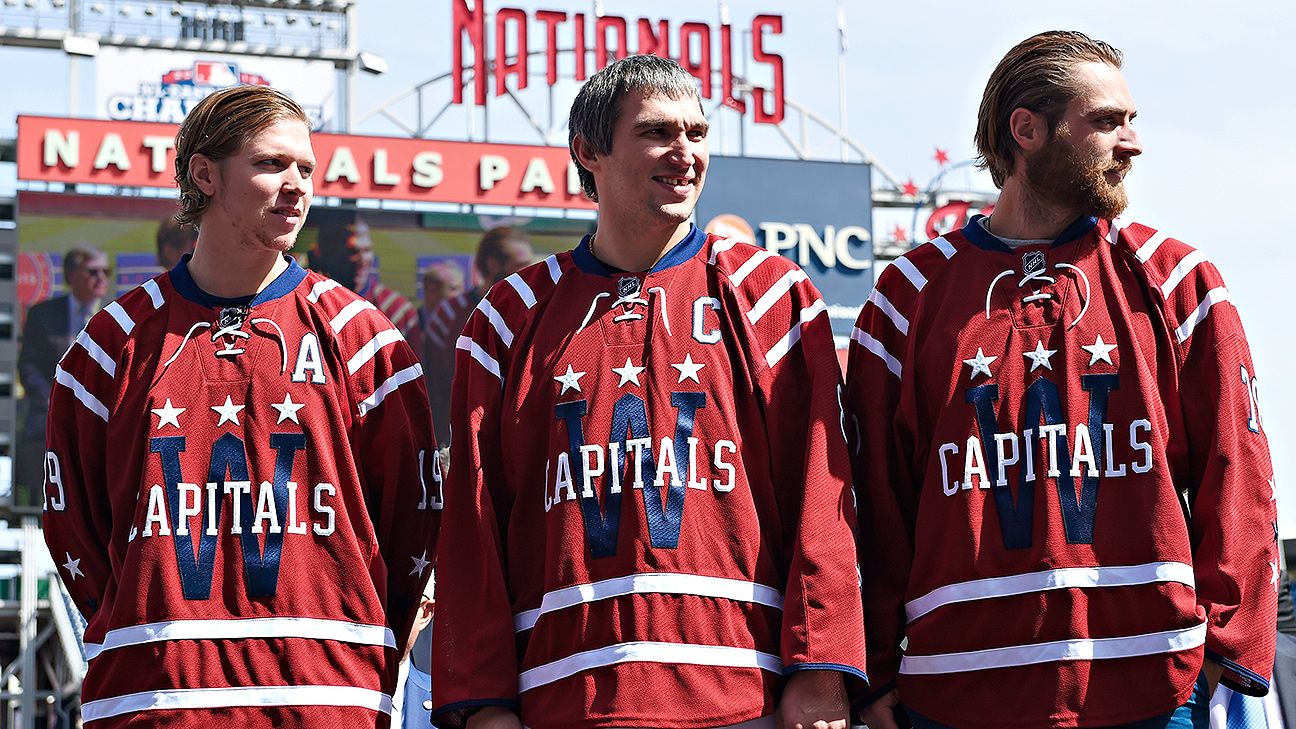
205 173
1029 129
584 153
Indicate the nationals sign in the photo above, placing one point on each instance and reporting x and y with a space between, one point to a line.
142 154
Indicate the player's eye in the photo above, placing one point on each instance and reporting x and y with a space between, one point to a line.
306 170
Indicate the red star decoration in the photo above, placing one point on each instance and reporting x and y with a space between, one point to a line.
899 234
942 157
909 188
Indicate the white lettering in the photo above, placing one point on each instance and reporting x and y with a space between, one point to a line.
189 494
309 359
112 152
265 510
381 174
237 489
564 478
320 490
492 169
590 472
974 464
61 150
54 476
1142 446
1052 432
1113 469
699 312
721 464
295 526
1084 452
157 513
342 165
427 169
947 487
537 177
1004 460
158 147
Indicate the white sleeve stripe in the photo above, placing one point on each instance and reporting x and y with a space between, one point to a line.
479 354
349 312
235 696
884 304
523 291
371 349
721 246
1149 248
647 652
91 402
119 314
944 247
911 272
409 374
1181 271
776 292
1213 297
155 294
866 341
318 289
789 340
97 353
496 321
749 265
1117 225
555 271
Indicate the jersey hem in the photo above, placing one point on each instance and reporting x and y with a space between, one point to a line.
1256 686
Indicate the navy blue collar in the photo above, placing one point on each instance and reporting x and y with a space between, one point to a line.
679 253
986 240
283 285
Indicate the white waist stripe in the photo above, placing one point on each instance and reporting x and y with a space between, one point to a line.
789 340
409 374
1059 579
1213 297
224 698
371 349
1080 649
1181 271
775 292
668 583
867 341
312 628
349 312
476 352
97 353
878 299
647 652
91 402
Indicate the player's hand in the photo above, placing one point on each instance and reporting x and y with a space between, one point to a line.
880 714
814 700
494 717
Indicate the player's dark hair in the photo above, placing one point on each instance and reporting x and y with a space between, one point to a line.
171 234
597 107
217 128
494 247
335 249
1037 75
76 257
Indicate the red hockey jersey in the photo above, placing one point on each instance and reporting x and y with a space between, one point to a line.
1064 485
649 520
398 309
243 501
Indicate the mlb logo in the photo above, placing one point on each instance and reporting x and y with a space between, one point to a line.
212 73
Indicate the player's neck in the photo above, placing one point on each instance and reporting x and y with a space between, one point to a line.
229 276
631 248
1020 214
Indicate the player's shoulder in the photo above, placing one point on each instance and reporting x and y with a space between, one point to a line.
736 259
125 316
911 273
528 289
1167 262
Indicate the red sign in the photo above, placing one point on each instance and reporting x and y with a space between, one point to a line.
693 42
142 154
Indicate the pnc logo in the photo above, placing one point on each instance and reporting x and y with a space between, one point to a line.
849 247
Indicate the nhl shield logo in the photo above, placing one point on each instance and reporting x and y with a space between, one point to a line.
627 286
1033 262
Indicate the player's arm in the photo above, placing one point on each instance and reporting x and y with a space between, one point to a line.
474 654
1230 484
884 487
77 511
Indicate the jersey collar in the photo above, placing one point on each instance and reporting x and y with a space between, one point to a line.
283 284
679 253
984 239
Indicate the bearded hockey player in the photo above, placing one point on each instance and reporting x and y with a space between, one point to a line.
241 481
1060 452
648 510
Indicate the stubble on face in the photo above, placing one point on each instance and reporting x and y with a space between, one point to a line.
1060 174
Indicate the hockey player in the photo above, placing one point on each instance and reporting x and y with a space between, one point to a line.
241 481
649 517
1060 452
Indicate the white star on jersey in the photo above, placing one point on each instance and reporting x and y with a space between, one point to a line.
228 412
287 409
1040 357
1099 351
980 363
73 566
628 373
168 414
688 369
420 563
570 380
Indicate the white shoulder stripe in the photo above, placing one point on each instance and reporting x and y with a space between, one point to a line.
496 321
409 374
479 354
523 291
775 292
1181 271
878 299
721 246
97 353
944 247
320 288
91 402
234 696
155 294
243 629
866 341
1149 248
349 312
1117 225
1213 297
648 652
793 336
749 265
555 271
911 272
119 314
371 349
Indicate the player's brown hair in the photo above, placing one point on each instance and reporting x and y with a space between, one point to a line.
1037 74
171 234
217 128
492 246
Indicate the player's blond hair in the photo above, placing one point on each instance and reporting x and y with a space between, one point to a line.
217 128
1037 74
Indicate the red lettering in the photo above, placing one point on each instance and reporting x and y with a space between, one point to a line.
701 68
503 66
775 25
473 23
579 45
617 25
726 71
656 44
551 19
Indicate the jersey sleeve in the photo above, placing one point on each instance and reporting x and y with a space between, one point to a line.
886 489
1230 480
474 653
800 378
77 513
